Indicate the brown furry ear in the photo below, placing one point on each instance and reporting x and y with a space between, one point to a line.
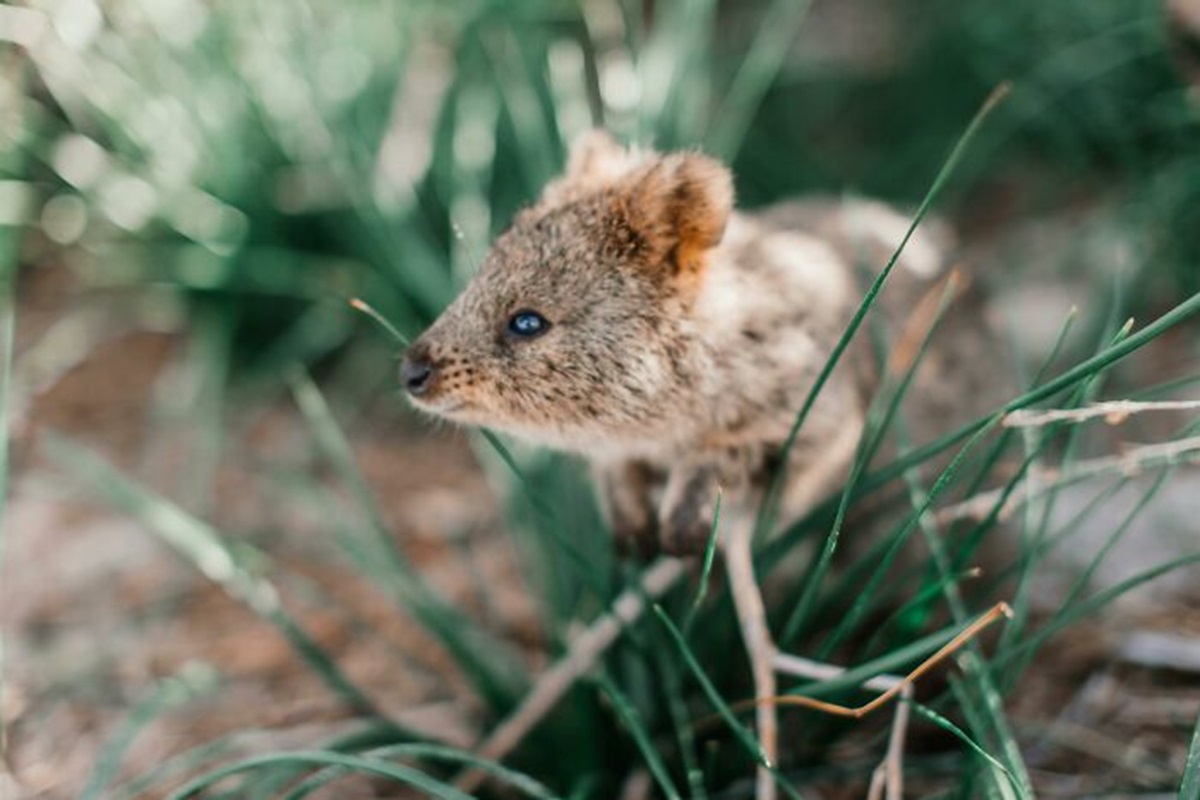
678 206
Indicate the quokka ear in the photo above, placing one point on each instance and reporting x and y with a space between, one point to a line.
596 160
596 157
678 206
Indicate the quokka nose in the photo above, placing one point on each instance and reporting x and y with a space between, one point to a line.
417 375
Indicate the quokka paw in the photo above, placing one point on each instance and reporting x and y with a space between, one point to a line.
640 542
685 532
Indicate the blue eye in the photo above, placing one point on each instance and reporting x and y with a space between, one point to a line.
527 324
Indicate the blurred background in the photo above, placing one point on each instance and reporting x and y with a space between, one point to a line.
225 535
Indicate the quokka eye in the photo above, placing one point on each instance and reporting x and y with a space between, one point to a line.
527 324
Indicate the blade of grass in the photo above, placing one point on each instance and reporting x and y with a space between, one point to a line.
270 782
180 763
767 512
574 555
1085 577
1032 531
632 722
517 780
884 475
674 72
808 601
188 684
987 468
403 775
372 735
1066 380
891 403
988 716
1064 533
985 716
958 733
485 660
743 735
522 88
764 58
364 307
1084 608
907 609
710 554
1189 787
1165 388
670 678
206 549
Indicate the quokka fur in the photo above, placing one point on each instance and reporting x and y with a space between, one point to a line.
683 336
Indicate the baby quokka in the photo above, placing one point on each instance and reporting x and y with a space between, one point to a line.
631 315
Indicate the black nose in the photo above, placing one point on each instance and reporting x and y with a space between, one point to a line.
416 375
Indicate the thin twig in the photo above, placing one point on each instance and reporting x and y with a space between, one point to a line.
945 651
888 778
1132 462
820 671
752 619
583 654
894 763
1114 412
358 304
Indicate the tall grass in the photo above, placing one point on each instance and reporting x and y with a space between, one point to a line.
262 163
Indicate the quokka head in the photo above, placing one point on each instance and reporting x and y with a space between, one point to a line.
576 324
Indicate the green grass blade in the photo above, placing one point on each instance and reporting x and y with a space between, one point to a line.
1109 356
808 600
767 512
1189 788
403 775
671 680
1084 608
958 733
360 305
764 57
204 548
632 722
517 780
743 735
575 556
1085 577
987 716
1066 380
1082 371
189 684
876 429
710 553
174 766
482 658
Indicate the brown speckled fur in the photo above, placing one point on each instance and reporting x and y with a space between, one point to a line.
683 337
